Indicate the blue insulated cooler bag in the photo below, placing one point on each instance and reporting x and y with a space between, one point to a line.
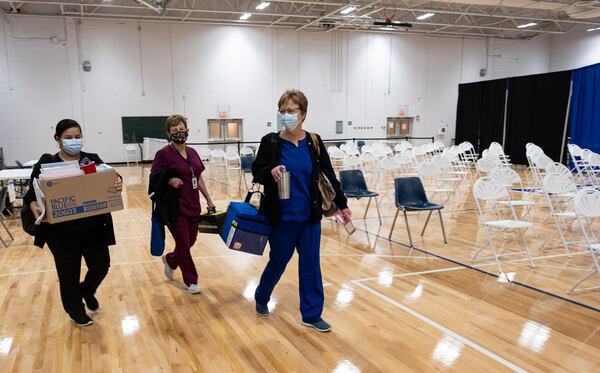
244 228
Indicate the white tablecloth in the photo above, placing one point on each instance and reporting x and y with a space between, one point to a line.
15 174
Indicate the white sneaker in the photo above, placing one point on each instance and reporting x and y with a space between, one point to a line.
169 272
194 289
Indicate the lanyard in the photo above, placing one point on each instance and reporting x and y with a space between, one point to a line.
187 160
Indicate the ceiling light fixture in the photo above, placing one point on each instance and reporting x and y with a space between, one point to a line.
263 5
348 10
425 16
245 16
594 29
527 25
146 3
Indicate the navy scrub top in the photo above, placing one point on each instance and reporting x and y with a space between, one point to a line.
298 163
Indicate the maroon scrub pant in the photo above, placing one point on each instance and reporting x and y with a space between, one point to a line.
184 232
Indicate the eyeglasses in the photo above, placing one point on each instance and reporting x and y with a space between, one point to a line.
289 111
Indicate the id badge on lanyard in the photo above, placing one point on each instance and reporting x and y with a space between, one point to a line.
194 181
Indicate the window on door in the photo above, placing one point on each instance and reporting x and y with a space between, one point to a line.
233 131
214 130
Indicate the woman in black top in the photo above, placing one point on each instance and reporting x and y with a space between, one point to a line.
70 241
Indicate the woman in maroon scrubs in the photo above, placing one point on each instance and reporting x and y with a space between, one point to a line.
188 165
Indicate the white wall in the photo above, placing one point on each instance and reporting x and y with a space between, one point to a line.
576 49
191 69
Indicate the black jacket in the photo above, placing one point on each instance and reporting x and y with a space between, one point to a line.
103 221
268 157
164 197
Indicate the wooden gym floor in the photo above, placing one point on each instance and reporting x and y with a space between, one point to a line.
393 309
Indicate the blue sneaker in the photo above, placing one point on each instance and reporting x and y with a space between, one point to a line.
320 325
262 309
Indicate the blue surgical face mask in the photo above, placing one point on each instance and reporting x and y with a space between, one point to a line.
288 121
72 146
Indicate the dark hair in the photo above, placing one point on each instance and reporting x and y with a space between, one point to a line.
64 125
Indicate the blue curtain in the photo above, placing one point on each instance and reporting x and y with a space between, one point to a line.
585 108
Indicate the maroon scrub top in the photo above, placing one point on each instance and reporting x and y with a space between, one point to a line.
169 157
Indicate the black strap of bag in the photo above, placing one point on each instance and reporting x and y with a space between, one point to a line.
252 192
28 220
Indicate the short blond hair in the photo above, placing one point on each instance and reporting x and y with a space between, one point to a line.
174 120
297 97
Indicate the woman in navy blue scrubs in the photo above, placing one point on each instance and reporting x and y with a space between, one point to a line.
297 220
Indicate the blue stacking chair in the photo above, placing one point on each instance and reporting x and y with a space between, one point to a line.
410 196
354 186
246 166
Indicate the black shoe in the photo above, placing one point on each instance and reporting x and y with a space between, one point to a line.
262 310
91 303
320 325
81 319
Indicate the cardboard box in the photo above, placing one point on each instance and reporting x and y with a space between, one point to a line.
78 197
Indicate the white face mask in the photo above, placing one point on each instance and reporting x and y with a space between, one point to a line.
72 146
288 121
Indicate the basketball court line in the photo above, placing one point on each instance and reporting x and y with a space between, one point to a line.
474 268
440 327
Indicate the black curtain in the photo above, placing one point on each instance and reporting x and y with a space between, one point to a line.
480 113
537 108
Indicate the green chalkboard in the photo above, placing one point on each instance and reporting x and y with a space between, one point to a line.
136 128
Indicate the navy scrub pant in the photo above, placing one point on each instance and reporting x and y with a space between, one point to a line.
306 238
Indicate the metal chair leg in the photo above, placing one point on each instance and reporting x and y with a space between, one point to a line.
367 210
491 243
378 214
393 224
7 231
408 228
426 222
443 229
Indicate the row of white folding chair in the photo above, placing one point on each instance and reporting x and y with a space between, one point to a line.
468 151
402 146
533 174
434 181
587 164
587 209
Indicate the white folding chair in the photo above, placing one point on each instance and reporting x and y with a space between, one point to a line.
219 167
231 149
233 163
407 163
485 165
246 151
488 193
431 176
509 178
575 153
560 190
132 154
587 208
